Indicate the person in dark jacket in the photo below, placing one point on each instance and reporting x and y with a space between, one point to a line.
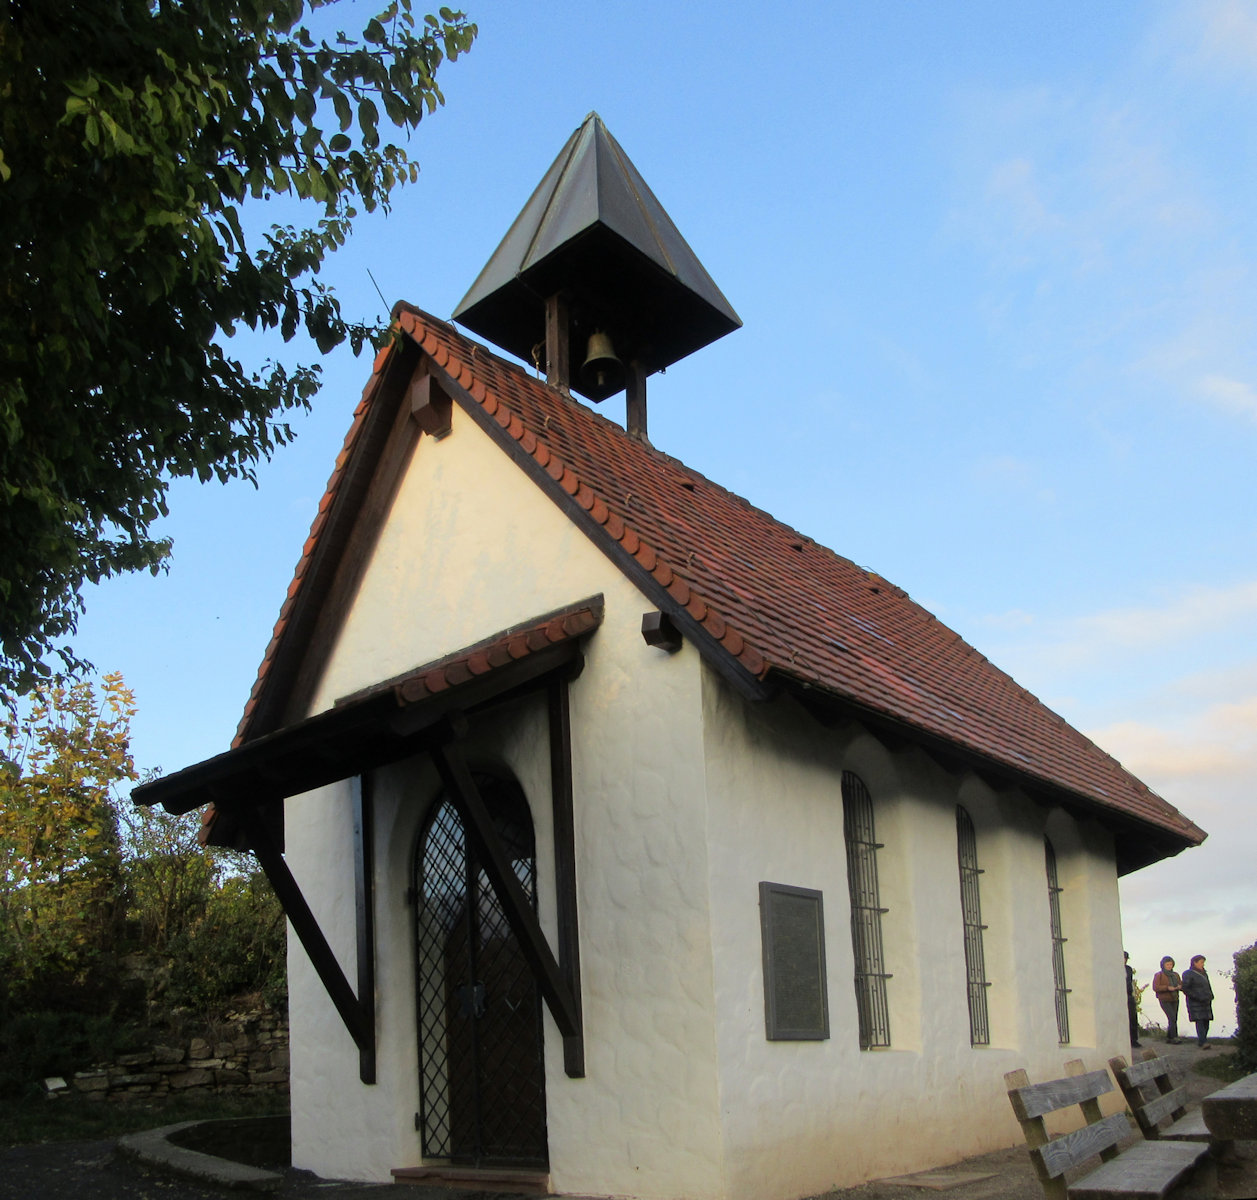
1199 993
1132 1000
1167 985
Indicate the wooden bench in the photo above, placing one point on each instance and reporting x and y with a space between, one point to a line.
1231 1113
1143 1171
1152 1097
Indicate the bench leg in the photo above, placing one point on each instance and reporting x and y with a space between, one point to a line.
1202 1184
1222 1150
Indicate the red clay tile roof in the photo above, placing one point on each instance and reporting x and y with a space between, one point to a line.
765 603
500 650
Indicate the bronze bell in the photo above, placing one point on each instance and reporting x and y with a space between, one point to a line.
602 370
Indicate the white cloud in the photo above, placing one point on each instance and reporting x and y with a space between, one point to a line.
1204 901
1154 753
1222 35
1230 395
1097 640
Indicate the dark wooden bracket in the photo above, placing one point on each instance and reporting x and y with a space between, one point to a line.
461 788
357 1013
431 408
660 630
565 865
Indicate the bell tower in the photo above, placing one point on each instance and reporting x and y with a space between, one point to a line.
595 282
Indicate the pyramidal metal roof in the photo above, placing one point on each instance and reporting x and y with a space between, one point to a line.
595 230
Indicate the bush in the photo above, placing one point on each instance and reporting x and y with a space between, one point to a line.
1245 979
34 1045
237 946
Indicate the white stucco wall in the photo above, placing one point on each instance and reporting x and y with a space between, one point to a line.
686 798
472 547
803 1117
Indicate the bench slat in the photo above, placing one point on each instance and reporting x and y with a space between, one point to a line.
1036 1099
1145 1071
1191 1128
1145 1171
1064 1153
1157 1110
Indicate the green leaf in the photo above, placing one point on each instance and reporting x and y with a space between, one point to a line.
368 118
304 105
344 113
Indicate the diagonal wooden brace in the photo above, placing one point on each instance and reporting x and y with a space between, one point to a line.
357 1013
466 798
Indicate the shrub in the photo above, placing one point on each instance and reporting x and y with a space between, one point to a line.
237 946
34 1045
1245 979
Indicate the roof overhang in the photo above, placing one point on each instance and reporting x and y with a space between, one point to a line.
388 722
1137 843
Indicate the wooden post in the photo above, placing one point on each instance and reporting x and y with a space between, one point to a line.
635 422
565 864
558 343
364 924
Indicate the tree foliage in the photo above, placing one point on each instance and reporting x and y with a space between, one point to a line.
1245 980
86 879
133 133
60 852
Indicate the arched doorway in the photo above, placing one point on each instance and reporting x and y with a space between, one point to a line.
481 1069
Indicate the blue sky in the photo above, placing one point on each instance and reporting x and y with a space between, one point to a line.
995 265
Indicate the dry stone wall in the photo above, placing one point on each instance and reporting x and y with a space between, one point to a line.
246 1053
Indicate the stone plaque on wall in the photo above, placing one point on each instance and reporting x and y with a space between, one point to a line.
792 926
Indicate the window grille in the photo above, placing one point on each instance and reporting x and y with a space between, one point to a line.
1058 944
866 913
971 911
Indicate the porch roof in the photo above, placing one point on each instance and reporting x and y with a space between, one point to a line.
381 724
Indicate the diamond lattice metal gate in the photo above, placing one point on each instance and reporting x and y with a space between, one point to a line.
481 1074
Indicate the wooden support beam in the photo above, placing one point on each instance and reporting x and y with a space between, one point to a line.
565 865
364 916
465 796
558 342
635 418
359 1022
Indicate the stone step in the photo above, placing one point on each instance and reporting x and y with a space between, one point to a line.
518 1181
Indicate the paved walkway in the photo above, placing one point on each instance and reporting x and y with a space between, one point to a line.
1008 1175
96 1171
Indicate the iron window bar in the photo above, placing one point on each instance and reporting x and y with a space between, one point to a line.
1058 944
872 1007
971 913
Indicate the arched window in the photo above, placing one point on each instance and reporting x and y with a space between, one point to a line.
1058 944
971 912
866 912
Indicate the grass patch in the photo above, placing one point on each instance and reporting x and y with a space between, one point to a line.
1225 1067
27 1121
